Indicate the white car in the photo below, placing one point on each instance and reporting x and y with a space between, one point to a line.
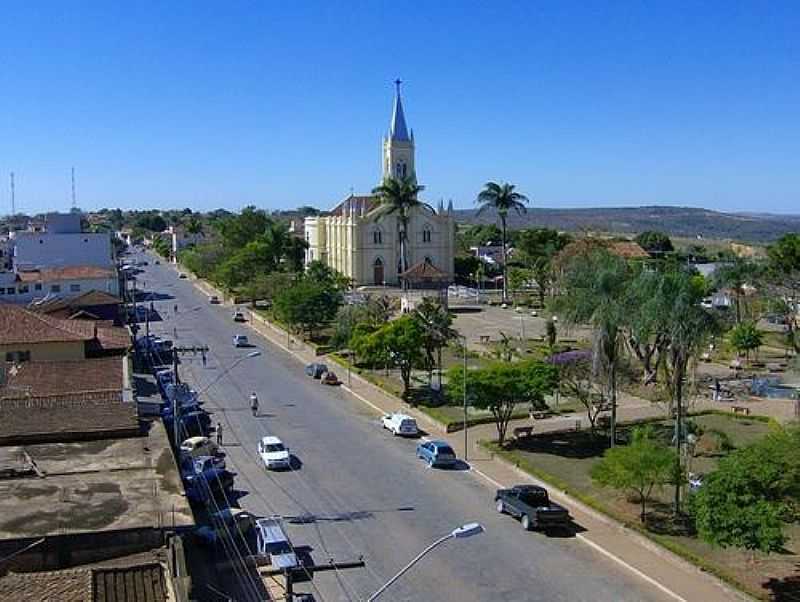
274 453
240 340
199 446
400 424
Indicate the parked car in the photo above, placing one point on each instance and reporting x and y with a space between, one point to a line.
157 262
330 378
238 316
273 543
273 453
436 453
240 340
316 370
532 506
181 275
224 522
213 300
196 464
199 446
195 423
213 482
400 424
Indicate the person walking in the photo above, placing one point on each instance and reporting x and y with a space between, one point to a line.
219 433
254 403
203 355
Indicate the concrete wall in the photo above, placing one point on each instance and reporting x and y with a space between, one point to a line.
27 292
46 250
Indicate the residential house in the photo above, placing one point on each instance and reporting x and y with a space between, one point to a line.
92 305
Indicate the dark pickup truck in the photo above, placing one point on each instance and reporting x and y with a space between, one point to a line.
532 506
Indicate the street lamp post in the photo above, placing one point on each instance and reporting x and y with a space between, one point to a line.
462 532
466 453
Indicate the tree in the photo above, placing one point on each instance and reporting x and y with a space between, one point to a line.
306 305
575 379
316 271
536 248
236 231
595 292
501 386
194 226
438 331
151 221
736 276
362 318
399 343
655 242
398 196
746 337
466 268
502 198
637 468
745 501
784 279
265 287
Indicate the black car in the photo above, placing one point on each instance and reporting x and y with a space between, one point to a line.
532 506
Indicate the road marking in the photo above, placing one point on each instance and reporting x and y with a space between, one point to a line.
632 569
364 399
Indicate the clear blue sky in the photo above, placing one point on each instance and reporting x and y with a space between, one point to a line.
222 104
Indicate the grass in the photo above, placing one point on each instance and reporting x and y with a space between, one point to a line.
565 460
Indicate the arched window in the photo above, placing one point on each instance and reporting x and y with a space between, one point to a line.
426 234
377 237
400 169
429 261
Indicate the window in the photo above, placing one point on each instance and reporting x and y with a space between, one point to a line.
429 261
377 237
37 286
10 290
2 291
426 235
55 288
23 289
74 288
18 356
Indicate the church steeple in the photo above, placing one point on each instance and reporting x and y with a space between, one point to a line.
398 145
397 128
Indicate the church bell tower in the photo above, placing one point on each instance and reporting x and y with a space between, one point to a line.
398 145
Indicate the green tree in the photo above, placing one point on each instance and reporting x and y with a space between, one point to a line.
501 386
400 343
536 249
502 198
398 196
655 242
466 268
194 226
438 331
784 280
746 337
306 305
265 287
745 502
737 276
595 289
151 221
236 231
638 468
363 318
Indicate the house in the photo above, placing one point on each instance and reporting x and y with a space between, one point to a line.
63 282
363 243
30 336
91 305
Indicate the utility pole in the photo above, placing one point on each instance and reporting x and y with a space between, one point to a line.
176 406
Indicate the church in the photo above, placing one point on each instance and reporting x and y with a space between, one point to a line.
364 245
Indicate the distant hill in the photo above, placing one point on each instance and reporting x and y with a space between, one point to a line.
675 221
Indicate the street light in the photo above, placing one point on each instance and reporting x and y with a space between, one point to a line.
466 453
461 532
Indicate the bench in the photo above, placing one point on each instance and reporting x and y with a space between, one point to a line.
743 410
523 432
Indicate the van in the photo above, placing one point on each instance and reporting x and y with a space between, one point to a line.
199 446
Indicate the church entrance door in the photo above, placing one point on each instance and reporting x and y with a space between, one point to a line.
377 271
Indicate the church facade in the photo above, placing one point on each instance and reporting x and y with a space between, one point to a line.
355 239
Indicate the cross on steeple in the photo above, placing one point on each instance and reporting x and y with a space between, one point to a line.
397 83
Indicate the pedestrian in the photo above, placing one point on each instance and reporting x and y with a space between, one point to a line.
254 403
203 355
717 390
219 433
175 308
174 332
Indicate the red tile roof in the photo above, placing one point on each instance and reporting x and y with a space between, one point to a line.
19 325
423 271
113 337
60 377
91 298
71 272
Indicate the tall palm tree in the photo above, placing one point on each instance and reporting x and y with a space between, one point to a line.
437 324
502 198
399 196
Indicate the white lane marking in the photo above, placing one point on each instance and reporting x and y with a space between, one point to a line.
363 399
632 569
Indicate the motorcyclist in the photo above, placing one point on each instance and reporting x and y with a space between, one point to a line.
254 403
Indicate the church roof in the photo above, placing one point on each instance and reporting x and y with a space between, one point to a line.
397 128
424 272
367 202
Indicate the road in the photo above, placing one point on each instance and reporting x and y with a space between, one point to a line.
370 494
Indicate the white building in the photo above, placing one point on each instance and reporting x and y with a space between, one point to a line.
180 238
355 239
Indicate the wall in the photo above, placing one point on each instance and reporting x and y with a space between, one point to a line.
108 285
45 250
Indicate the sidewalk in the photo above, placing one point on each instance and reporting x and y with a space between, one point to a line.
676 578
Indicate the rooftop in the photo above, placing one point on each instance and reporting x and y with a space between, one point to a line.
59 377
19 325
90 486
70 272
134 578
91 298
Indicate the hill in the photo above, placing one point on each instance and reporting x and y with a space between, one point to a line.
676 221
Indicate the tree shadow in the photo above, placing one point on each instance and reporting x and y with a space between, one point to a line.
661 520
577 444
785 589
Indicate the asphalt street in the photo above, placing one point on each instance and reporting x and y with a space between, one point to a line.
371 497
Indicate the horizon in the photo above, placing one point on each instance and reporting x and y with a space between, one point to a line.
284 106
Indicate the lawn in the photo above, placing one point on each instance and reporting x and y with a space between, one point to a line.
566 459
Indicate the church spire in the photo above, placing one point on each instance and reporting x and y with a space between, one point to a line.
397 129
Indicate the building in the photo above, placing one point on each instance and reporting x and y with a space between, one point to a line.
179 238
92 305
359 241
30 336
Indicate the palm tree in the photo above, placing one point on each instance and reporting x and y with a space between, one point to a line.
399 196
502 198
437 324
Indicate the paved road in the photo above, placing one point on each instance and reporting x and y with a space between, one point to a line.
372 496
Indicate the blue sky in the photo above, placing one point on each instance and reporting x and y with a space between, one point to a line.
223 104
